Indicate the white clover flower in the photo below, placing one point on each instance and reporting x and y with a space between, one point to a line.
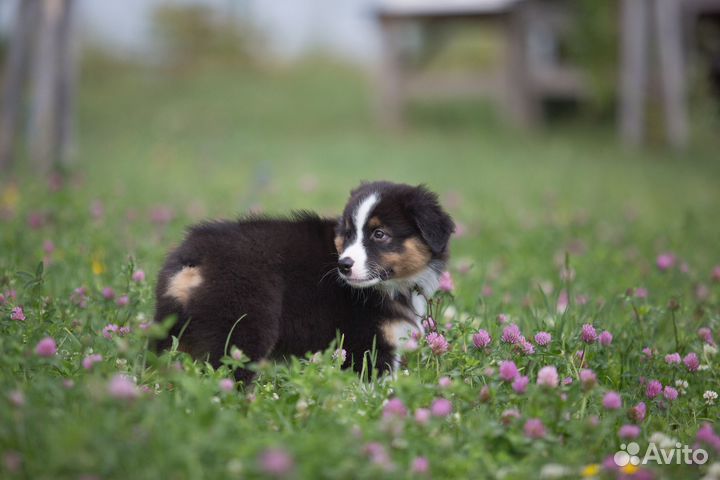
710 396
682 386
703 367
399 443
554 470
713 472
340 354
710 350
663 441
450 312
301 405
234 467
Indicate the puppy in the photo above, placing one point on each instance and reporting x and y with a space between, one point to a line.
288 286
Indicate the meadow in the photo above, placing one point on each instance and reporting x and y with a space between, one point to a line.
585 291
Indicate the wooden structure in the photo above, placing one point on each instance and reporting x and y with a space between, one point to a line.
655 47
41 64
518 86
645 23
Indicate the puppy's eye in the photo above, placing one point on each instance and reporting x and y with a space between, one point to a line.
380 235
348 233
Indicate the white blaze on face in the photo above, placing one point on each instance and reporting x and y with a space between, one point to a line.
356 251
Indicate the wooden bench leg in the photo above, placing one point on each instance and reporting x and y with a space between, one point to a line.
672 70
15 78
520 102
391 99
634 33
50 125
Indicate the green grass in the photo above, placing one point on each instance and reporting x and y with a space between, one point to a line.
216 142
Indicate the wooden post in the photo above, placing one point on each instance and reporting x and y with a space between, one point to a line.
664 16
521 103
672 70
65 56
52 79
16 73
634 56
391 99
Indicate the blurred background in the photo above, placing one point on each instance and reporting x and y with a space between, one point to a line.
575 143
515 111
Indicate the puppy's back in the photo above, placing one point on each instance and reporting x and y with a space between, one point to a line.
226 269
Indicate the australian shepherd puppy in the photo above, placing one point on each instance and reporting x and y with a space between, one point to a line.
294 283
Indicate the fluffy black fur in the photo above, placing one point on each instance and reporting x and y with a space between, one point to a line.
281 277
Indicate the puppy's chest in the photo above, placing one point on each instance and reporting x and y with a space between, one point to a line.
404 319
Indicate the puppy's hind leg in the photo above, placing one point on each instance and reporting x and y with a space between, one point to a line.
252 324
255 335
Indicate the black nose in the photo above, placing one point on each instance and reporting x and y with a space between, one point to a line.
345 264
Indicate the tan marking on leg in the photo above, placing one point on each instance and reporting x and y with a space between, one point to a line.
182 283
412 260
389 332
339 243
396 331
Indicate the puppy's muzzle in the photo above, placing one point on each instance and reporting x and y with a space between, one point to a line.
345 265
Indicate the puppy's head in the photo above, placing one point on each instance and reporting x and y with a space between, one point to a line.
392 234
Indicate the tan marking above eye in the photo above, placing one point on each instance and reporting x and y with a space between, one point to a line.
412 260
339 243
182 283
374 223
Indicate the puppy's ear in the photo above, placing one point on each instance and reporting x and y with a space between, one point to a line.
360 188
434 223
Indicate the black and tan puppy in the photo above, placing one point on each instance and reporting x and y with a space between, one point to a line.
297 282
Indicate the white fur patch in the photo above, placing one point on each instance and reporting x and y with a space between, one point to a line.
360 272
419 304
399 333
427 281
